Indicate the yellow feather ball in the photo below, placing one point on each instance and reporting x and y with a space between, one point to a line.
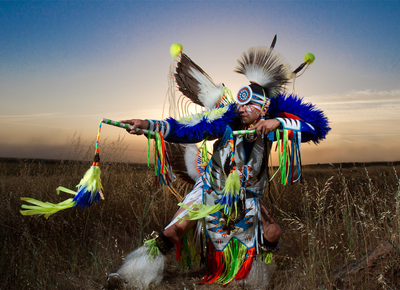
175 49
309 57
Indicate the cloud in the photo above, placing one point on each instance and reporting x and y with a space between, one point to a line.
359 106
357 97
125 114
41 125
352 150
26 116
33 120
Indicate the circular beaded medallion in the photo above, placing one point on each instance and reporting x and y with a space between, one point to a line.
244 95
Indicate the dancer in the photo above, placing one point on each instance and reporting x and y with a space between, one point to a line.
231 226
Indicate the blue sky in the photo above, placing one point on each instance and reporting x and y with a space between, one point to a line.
64 65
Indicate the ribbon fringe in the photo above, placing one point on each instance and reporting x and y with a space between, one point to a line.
186 252
162 165
234 262
289 157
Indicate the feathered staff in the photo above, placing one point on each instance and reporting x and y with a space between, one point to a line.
89 190
90 187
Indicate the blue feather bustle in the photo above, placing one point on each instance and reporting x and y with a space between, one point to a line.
308 112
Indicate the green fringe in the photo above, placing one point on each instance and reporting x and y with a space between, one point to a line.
267 257
44 208
234 257
284 156
232 188
189 253
47 208
232 184
153 248
199 211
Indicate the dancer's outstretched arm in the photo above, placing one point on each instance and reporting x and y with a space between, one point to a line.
137 124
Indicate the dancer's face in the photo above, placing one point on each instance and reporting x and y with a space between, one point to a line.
249 113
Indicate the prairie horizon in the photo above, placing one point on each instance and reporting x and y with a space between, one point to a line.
143 164
77 248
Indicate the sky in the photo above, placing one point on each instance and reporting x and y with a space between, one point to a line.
65 65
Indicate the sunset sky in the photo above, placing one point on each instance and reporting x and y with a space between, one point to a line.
65 65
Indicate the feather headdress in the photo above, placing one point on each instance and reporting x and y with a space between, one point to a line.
262 66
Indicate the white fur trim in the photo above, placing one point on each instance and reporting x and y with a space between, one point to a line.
259 275
139 271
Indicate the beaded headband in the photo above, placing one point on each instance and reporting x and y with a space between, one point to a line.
246 95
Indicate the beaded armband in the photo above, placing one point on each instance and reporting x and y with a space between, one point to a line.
162 127
270 248
290 124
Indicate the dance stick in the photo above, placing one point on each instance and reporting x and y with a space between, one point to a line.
123 125
127 126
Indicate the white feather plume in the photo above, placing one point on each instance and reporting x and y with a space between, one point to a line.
261 65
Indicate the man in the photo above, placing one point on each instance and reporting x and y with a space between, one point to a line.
249 114
225 202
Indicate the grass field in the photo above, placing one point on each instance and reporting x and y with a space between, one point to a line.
339 213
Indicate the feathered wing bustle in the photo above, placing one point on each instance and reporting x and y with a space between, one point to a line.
264 67
196 84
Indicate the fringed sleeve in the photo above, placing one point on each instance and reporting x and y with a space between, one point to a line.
313 123
301 122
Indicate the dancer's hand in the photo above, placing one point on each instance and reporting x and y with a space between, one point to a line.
266 126
137 124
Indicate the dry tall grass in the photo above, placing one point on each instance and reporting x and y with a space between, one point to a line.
335 217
